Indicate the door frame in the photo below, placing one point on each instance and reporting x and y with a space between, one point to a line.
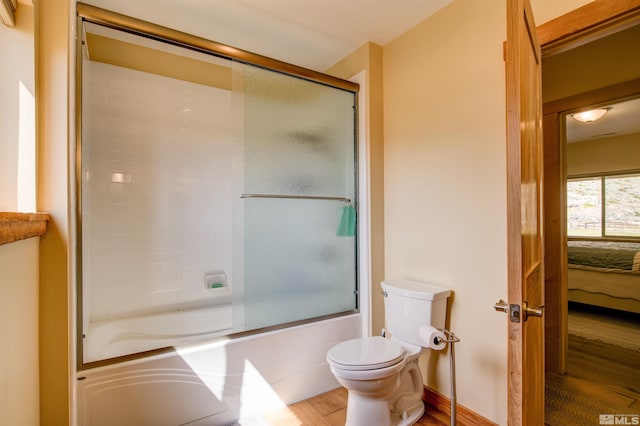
580 26
587 23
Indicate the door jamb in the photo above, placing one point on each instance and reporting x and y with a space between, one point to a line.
587 23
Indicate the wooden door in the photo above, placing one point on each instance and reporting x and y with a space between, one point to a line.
524 217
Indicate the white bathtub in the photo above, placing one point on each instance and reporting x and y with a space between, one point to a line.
123 336
215 383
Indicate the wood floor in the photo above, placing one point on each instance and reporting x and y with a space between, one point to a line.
330 409
606 375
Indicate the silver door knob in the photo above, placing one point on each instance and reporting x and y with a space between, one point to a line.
501 306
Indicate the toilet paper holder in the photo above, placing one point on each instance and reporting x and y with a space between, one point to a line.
449 337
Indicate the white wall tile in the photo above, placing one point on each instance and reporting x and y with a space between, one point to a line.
150 239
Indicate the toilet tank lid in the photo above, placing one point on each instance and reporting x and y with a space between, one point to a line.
415 290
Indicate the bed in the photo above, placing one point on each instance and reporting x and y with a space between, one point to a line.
605 273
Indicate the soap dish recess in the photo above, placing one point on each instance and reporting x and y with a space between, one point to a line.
215 280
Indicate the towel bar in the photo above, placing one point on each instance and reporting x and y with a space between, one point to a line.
297 197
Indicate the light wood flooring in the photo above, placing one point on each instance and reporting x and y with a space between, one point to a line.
330 409
606 374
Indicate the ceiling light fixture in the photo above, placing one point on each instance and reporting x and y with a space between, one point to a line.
589 116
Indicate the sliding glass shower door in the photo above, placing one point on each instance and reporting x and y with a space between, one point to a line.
296 142
213 197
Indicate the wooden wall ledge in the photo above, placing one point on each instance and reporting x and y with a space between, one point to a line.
19 226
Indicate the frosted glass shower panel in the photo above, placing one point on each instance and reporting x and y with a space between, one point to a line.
298 150
298 135
295 266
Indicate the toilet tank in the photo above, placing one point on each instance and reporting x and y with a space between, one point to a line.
409 305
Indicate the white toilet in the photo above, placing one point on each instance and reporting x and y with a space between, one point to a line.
382 375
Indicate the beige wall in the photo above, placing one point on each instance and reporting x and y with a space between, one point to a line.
546 10
445 185
19 392
52 88
368 58
16 90
19 371
610 60
614 154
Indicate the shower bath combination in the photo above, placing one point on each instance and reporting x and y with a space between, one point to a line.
217 202
245 171
216 196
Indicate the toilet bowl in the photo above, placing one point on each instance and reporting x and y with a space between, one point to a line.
382 375
383 380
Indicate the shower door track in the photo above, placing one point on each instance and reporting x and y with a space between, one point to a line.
297 197
97 15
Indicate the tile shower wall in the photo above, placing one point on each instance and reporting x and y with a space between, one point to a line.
156 192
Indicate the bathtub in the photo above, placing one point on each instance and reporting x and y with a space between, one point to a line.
116 337
215 383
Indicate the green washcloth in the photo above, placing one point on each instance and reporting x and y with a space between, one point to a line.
347 227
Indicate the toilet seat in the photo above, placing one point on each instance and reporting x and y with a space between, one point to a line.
366 353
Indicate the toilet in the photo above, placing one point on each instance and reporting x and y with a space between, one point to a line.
381 374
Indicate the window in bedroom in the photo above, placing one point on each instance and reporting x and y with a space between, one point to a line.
604 206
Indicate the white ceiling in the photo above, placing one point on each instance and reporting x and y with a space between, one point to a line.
311 33
621 118
353 22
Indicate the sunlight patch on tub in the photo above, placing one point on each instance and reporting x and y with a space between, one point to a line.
212 373
257 396
235 382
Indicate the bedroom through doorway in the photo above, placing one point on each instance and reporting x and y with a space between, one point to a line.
594 365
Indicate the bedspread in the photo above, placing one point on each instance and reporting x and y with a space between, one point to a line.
605 254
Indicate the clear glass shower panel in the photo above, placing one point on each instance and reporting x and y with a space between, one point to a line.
156 195
297 144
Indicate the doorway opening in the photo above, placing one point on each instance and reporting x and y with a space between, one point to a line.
591 363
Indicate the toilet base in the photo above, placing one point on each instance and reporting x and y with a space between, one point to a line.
408 417
407 406
365 411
